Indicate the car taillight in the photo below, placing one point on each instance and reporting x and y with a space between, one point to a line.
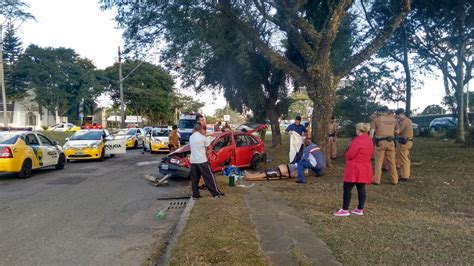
6 152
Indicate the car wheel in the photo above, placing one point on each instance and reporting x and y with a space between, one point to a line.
135 145
26 169
112 155
61 162
255 161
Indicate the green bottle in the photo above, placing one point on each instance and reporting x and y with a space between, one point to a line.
161 214
231 180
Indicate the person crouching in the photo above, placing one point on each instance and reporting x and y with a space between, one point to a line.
358 171
313 159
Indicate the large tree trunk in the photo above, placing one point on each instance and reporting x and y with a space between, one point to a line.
274 124
324 100
460 73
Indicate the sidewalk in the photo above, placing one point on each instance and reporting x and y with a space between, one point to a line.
285 238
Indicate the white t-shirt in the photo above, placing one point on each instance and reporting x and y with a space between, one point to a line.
198 143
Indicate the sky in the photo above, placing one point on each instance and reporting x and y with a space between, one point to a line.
94 34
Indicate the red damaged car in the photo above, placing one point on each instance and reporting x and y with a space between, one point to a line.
240 148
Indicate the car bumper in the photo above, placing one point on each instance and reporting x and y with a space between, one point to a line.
174 170
84 154
10 165
159 147
130 143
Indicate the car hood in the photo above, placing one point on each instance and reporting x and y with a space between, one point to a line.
251 127
81 143
164 139
183 149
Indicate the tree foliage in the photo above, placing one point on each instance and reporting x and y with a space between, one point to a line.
60 79
433 109
12 49
147 91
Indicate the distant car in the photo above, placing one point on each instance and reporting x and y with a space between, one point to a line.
242 149
64 127
157 140
23 151
135 137
443 123
416 129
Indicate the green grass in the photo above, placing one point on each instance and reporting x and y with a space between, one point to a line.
427 221
219 231
59 137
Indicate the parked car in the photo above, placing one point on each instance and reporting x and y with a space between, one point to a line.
242 149
64 127
443 123
23 151
135 138
416 129
157 140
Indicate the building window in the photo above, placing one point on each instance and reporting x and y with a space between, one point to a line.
30 119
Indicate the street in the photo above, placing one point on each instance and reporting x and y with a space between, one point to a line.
88 213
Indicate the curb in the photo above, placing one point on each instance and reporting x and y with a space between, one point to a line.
176 233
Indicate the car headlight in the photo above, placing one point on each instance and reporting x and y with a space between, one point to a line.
95 145
66 146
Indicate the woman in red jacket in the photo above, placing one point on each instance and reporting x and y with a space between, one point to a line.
358 170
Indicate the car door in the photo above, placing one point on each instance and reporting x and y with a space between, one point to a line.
222 152
244 150
32 141
140 135
49 150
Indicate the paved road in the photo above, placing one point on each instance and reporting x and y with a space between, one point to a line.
88 213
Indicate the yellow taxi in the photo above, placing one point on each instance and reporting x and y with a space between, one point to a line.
134 137
22 151
92 144
64 127
157 140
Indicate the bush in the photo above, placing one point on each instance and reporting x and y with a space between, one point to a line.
450 133
470 138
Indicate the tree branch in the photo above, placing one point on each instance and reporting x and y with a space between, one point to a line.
376 43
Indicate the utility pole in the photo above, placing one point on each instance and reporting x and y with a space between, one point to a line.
122 106
2 80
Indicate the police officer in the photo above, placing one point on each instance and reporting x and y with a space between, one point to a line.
383 133
405 143
333 137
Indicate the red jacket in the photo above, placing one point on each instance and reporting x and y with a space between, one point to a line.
358 164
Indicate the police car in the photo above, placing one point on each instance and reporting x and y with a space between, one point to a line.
22 151
92 144
135 137
157 140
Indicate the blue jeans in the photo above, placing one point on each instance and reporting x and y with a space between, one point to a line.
302 165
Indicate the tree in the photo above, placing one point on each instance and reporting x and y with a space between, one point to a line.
433 109
300 105
235 117
60 79
147 91
447 29
12 49
311 34
186 104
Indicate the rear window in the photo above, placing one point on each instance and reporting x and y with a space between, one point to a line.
186 124
8 138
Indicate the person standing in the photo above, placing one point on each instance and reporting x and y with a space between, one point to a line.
297 127
198 143
405 143
173 137
384 136
313 159
333 137
358 171
217 127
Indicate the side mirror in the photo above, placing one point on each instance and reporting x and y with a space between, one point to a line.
67 139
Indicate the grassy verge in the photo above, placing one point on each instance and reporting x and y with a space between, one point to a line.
60 137
219 231
426 221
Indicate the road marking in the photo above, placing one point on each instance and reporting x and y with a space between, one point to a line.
147 163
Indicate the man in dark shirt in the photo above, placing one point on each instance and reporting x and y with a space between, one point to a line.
297 127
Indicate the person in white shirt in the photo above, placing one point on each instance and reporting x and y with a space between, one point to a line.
198 143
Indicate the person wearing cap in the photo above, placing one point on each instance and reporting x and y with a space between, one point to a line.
405 143
383 133
333 137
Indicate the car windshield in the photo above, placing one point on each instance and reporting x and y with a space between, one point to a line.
8 138
186 124
159 132
131 132
87 135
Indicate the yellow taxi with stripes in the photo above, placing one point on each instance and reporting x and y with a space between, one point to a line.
92 143
134 137
22 151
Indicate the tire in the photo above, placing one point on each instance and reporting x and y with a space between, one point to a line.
135 145
61 162
112 155
26 169
254 163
